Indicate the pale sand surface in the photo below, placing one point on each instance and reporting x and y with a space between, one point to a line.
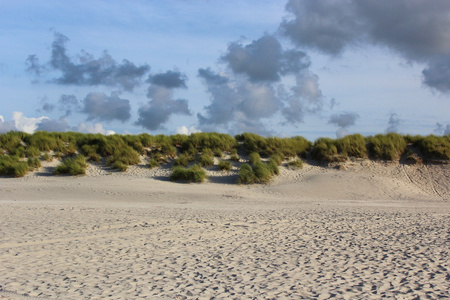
369 231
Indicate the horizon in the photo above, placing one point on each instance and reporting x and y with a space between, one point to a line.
293 68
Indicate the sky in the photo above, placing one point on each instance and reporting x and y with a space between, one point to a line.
314 68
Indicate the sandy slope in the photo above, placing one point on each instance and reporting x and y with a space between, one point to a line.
365 231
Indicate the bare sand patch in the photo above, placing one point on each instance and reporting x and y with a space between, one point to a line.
367 231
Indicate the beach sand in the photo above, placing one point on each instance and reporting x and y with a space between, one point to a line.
364 231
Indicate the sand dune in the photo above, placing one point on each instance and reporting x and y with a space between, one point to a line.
366 231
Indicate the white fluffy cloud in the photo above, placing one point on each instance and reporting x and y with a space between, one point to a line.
187 131
96 128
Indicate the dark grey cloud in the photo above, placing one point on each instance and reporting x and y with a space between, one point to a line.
169 79
393 123
238 103
343 121
99 106
88 71
156 112
264 59
33 66
59 125
417 30
48 107
437 74
442 129
326 25
212 78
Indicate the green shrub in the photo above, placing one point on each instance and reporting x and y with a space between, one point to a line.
18 151
47 157
352 145
389 147
33 163
211 140
45 141
434 147
224 165
262 172
325 150
153 163
118 165
182 160
193 174
296 164
217 152
32 152
254 158
234 157
277 159
10 140
11 166
206 160
273 167
72 166
125 155
246 175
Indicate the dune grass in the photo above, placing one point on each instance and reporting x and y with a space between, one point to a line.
193 174
72 166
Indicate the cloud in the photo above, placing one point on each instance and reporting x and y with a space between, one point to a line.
156 112
187 131
98 106
68 103
442 129
326 25
264 59
236 103
88 71
343 121
6 126
59 125
169 79
255 90
21 123
417 30
95 128
393 123
437 74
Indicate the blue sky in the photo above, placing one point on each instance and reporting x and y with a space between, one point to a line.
298 67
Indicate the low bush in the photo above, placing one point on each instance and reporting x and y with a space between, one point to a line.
254 158
18 151
262 172
153 163
352 146
277 159
224 165
119 165
33 163
11 166
234 157
273 167
46 156
206 160
32 151
72 166
246 175
434 147
325 150
183 160
193 174
123 156
217 152
296 164
388 147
